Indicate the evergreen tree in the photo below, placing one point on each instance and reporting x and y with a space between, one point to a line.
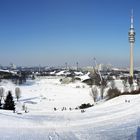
0 104
9 103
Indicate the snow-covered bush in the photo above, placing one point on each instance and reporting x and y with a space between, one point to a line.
66 80
83 106
112 93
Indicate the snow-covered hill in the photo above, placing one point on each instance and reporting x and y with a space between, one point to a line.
116 119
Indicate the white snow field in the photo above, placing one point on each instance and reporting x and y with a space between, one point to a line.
116 119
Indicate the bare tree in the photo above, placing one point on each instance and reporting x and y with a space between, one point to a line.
1 93
94 93
112 84
102 89
130 80
124 85
138 84
17 93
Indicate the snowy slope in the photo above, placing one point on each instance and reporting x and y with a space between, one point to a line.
117 119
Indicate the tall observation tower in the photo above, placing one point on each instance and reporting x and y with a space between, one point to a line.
131 41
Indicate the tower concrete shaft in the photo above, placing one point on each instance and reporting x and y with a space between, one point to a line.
131 41
131 71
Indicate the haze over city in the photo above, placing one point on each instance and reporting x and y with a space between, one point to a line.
52 32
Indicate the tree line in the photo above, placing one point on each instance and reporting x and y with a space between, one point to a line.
7 101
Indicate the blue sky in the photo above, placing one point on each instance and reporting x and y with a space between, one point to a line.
52 32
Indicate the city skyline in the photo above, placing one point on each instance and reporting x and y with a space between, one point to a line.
52 32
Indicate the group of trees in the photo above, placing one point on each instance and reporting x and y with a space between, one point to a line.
95 90
109 91
7 101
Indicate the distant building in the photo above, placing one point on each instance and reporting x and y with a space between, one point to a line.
12 66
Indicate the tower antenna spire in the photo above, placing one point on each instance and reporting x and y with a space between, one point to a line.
132 18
